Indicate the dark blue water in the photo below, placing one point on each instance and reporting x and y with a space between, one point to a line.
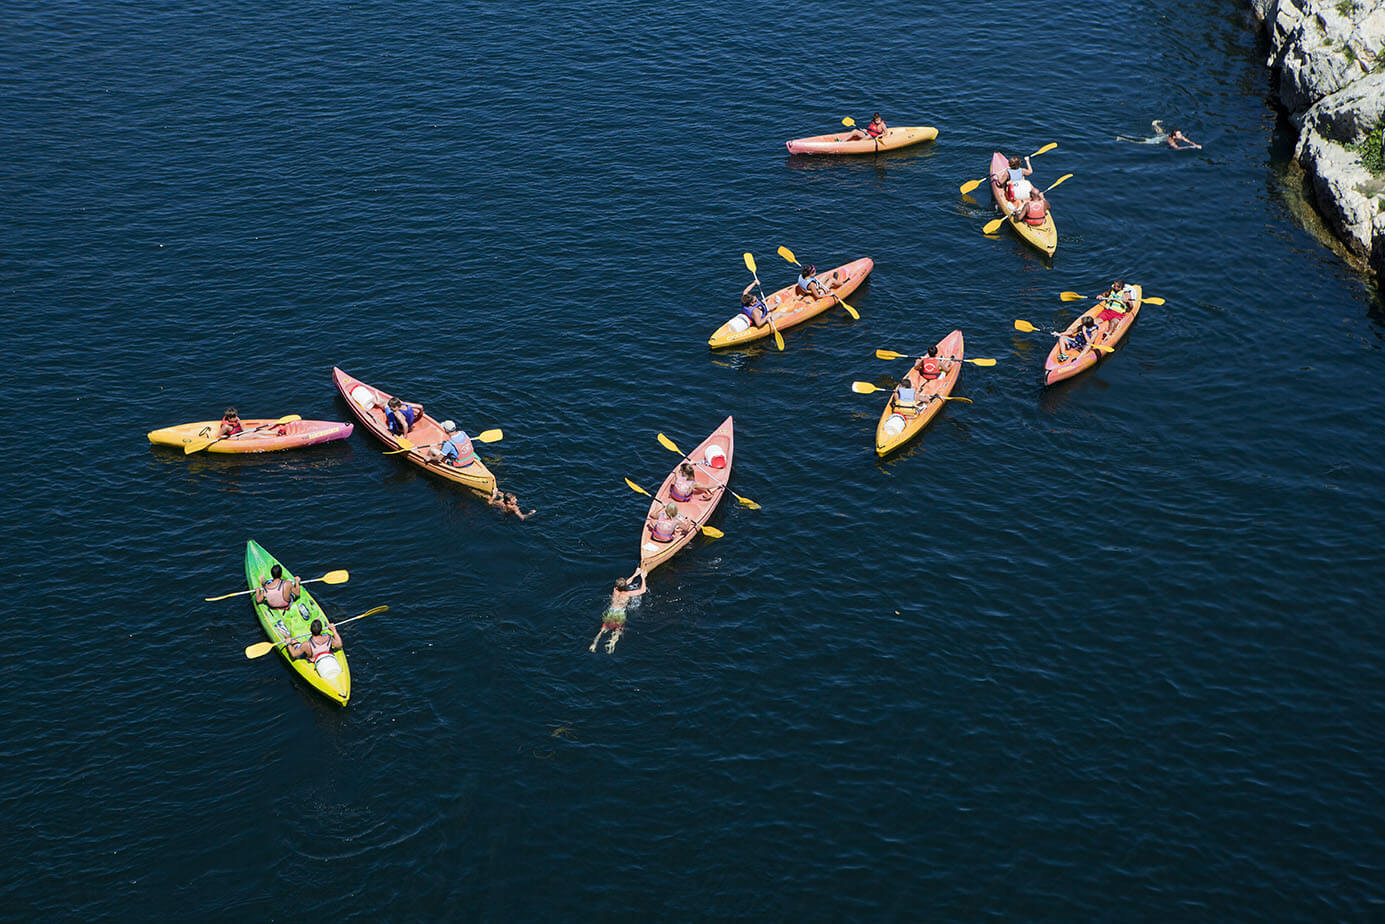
1109 651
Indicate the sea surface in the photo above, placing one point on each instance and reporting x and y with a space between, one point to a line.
1106 651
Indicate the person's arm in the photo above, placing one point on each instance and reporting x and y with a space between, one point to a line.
336 636
1028 167
638 576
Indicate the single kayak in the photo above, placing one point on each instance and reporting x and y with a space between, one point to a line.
842 143
258 435
330 675
368 404
1044 236
899 424
787 309
712 462
1064 365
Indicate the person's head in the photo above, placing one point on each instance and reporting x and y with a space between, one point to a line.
395 403
1015 162
1036 194
686 470
231 414
1118 285
809 270
875 117
622 583
671 509
512 500
316 627
1173 132
449 426
1089 321
932 351
276 572
747 299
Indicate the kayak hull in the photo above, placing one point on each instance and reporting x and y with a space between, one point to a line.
295 621
1056 370
719 445
787 310
837 143
366 402
1043 237
293 435
898 426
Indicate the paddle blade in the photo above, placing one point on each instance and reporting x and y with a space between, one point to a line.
289 418
190 448
712 532
855 316
1045 149
745 501
848 121
335 577
960 398
1025 326
888 354
863 388
787 254
490 436
750 263
635 487
993 226
1062 179
778 340
1070 296
668 444
258 650
970 185
982 362
1103 348
403 443
1153 300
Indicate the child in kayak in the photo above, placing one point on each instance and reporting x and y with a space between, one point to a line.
613 620
808 285
685 486
401 417
1078 340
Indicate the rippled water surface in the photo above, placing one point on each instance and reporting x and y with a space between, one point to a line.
1104 651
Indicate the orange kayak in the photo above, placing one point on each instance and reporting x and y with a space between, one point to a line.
842 143
898 425
712 462
368 403
264 435
1044 236
787 309
1061 365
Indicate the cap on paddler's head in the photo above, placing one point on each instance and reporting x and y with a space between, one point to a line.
449 425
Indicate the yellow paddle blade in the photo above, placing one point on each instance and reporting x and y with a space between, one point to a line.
259 649
787 254
403 443
855 316
993 226
635 487
1153 300
750 263
712 532
863 388
889 354
1103 348
490 436
1070 296
745 501
1045 149
957 398
778 340
970 185
335 577
1025 326
1062 179
668 444
981 362
848 121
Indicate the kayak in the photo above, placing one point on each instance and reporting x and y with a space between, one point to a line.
330 676
292 435
712 460
1055 369
786 309
898 425
368 405
840 143
1044 236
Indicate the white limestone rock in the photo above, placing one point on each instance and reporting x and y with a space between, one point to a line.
1347 115
1348 196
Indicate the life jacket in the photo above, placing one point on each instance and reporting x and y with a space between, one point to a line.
804 283
1079 338
1034 212
1016 174
316 654
280 585
663 529
459 454
930 368
875 132
397 425
749 310
235 427
681 489
910 403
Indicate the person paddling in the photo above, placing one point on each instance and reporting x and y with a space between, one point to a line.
808 284
318 648
668 524
613 620
1078 340
875 130
1034 211
1016 186
931 366
754 307
456 450
685 486
277 593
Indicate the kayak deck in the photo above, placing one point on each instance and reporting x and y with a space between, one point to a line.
1056 369
788 310
711 460
1043 237
842 143
293 622
898 426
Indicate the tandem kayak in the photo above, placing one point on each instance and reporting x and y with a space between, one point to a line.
368 403
258 435
712 462
1056 369
898 425
330 676
1044 236
787 309
841 143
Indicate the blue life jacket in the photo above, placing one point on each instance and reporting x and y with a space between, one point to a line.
397 427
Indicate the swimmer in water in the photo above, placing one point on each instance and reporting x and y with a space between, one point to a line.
1172 138
508 503
613 620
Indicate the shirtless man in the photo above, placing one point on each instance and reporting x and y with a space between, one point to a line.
613 620
277 593
318 649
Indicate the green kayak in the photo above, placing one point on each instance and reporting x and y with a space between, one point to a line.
335 684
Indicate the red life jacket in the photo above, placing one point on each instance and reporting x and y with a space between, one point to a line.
875 132
235 427
1034 213
930 368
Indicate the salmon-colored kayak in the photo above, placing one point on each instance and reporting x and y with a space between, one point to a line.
712 461
840 143
1056 369
786 309
1044 236
368 404
264 435
898 425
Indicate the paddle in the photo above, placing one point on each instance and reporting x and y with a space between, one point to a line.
1030 328
711 531
849 122
787 254
769 315
891 354
331 577
1073 296
668 444
486 436
993 226
972 184
865 388
260 649
190 448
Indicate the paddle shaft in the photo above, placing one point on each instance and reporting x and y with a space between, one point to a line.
253 589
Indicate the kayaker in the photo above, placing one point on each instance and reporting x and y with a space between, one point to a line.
1116 302
685 486
1034 210
277 593
401 417
318 649
1015 183
230 424
508 503
906 397
613 620
456 450
931 366
1078 340
808 285
1187 144
875 130
668 524
754 307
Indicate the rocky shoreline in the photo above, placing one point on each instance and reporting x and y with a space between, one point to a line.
1330 55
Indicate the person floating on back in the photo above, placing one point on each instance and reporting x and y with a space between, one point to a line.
277 593
613 620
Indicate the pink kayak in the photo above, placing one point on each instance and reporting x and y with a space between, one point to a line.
711 461
842 143
262 435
